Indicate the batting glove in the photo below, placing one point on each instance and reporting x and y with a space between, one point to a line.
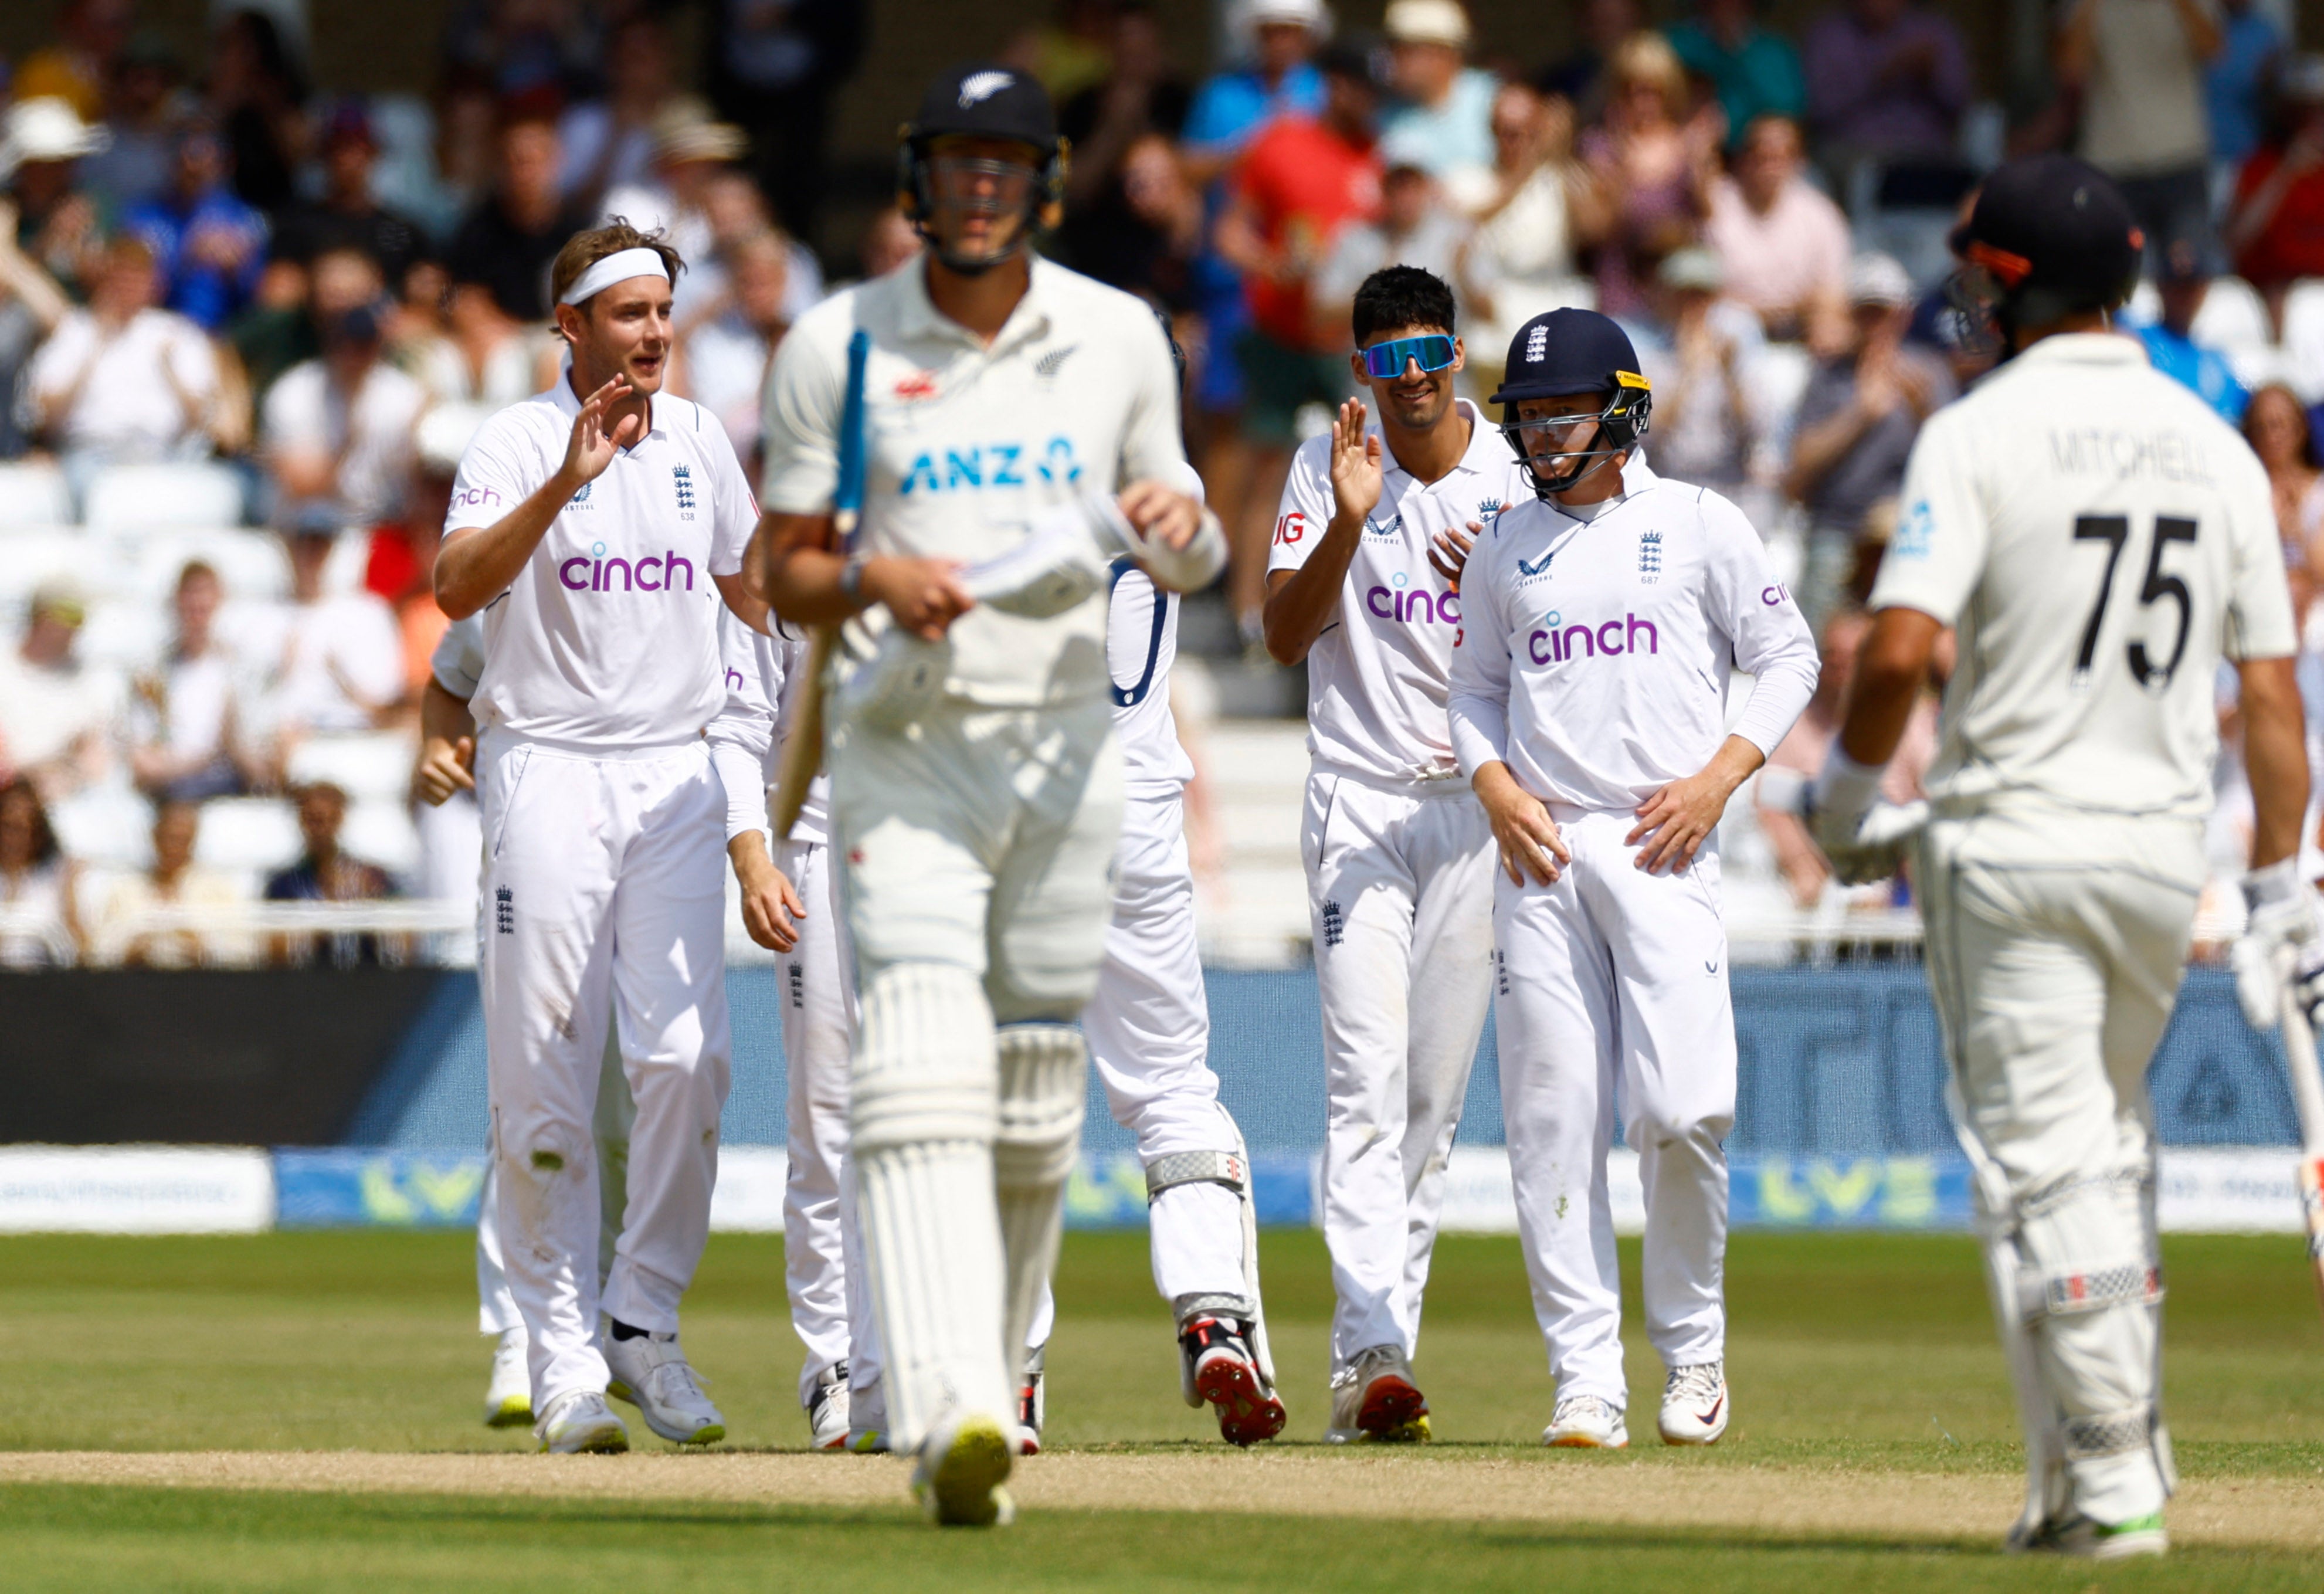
1863 837
2279 933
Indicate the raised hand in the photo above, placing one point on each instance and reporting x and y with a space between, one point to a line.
1355 463
594 444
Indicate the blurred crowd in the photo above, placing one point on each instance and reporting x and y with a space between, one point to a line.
248 323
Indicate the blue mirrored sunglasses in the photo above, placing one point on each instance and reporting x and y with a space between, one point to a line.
1385 361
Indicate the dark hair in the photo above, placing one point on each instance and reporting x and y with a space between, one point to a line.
2309 456
1402 296
44 837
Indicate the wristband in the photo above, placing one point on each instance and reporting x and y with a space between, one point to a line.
851 578
1845 787
2272 885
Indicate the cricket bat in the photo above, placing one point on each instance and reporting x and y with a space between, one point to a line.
802 757
2308 1099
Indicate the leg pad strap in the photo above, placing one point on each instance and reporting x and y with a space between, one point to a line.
1174 1168
2108 1433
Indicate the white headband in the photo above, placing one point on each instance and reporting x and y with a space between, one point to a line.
618 267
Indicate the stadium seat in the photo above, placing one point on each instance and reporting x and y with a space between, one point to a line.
2303 338
33 492
2233 317
256 834
124 634
365 767
188 494
108 826
251 564
32 556
380 832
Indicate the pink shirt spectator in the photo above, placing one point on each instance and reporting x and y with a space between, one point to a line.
1794 253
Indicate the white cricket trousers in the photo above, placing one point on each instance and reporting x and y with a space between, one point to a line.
2056 942
496 1312
1400 884
1615 979
1149 1034
822 1264
978 844
604 902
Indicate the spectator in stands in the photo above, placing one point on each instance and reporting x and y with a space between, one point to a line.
477 354
123 382
56 221
38 922
2237 85
1444 121
1653 164
1414 227
334 662
1783 247
735 211
348 215
513 234
56 712
325 873
690 153
258 97
1145 233
771 71
402 568
608 141
2138 68
1141 94
2184 283
129 925
276 329
2276 225
1585 78
1755 73
1697 352
888 243
2275 424
1800 757
210 246
723 359
1069 52
1302 181
143 110
439 185
32 308
77 67
1521 257
1887 81
183 736
338 428
1855 427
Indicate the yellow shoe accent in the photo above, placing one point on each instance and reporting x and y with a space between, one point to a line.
516 1411
1416 1432
963 1487
710 1435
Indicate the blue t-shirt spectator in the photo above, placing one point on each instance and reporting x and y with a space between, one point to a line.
1758 75
1457 133
2193 366
1232 107
192 245
2236 81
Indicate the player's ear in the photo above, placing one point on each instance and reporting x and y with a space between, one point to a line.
1459 354
1356 368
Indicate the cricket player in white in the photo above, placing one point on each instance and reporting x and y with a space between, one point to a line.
1014 411
597 526
1363 583
791 906
1589 701
2101 541
446 774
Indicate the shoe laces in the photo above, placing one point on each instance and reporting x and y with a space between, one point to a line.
1699 1382
672 1377
1576 1408
1203 1334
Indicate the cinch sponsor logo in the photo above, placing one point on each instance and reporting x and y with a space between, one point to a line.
992 465
593 571
469 497
1551 645
1414 607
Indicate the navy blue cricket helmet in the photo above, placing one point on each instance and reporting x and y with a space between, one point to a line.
1556 355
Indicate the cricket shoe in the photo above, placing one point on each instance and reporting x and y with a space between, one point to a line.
508 1398
867 1420
1374 1398
962 1464
579 1421
1694 1404
1033 1402
1216 1365
649 1371
2075 1535
1586 1422
827 1408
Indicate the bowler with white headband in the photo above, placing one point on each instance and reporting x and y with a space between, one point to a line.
597 528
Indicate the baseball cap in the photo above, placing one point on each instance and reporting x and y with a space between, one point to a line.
1426 22
63 596
983 99
1874 278
2055 225
1568 351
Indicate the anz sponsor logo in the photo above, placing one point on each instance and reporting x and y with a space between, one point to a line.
1410 606
981 466
1554 644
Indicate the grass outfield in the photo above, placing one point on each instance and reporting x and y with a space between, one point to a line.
1851 1355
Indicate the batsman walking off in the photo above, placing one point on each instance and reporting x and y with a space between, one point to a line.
2101 541
1014 412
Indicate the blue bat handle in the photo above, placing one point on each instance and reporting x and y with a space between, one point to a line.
847 499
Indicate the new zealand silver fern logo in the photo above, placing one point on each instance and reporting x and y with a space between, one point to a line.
1047 366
